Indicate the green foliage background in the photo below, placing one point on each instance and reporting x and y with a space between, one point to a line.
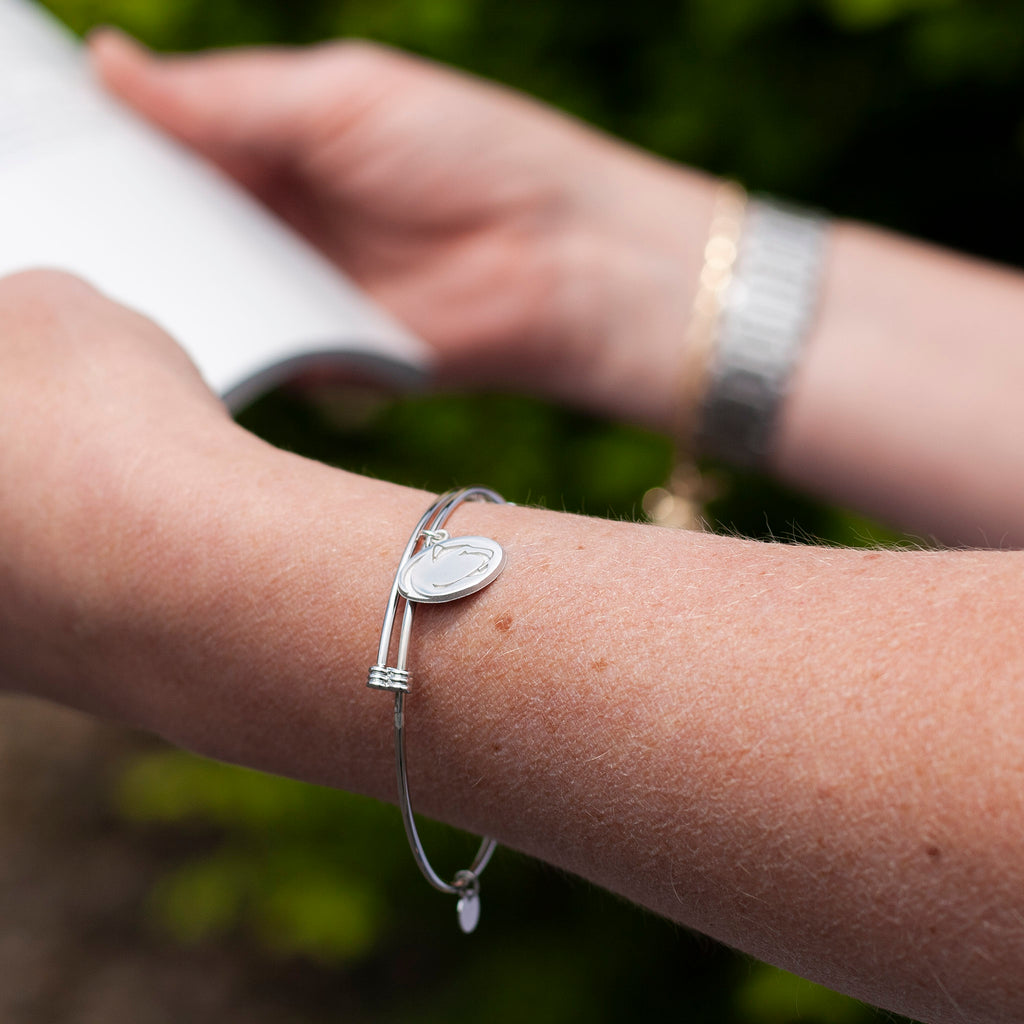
904 112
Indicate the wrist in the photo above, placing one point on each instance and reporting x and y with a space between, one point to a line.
255 642
634 258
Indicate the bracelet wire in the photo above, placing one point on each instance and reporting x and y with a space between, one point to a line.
488 562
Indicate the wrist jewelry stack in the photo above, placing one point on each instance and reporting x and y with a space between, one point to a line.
765 308
755 303
435 568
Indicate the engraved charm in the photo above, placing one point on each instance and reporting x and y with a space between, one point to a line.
468 909
451 568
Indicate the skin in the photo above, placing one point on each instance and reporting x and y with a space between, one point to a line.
907 405
533 252
807 753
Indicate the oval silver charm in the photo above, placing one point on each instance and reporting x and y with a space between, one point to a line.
468 909
451 568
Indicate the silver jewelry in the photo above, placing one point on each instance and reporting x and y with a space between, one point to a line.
766 313
435 567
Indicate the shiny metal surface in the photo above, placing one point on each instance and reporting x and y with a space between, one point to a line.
461 566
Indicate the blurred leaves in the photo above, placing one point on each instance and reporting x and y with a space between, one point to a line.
771 996
868 14
292 871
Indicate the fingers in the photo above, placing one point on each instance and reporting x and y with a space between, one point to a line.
241 109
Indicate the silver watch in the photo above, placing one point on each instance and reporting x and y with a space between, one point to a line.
765 317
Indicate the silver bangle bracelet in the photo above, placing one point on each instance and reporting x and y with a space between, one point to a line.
435 568
765 317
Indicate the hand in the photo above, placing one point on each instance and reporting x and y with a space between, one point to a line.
162 566
104 424
529 250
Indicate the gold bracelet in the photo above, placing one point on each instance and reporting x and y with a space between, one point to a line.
679 502
701 336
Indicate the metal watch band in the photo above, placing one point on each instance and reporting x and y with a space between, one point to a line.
766 313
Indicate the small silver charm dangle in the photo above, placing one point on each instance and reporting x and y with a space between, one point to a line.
468 909
468 906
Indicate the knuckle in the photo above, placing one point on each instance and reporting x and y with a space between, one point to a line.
44 307
360 50
41 285
364 57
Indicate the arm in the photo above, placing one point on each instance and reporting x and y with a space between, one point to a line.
809 754
787 748
803 753
908 403
535 253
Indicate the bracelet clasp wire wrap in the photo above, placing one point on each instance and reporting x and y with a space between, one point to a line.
435 568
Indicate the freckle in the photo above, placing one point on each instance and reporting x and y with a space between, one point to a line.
599 665
580 547
503 623
933 851
495 748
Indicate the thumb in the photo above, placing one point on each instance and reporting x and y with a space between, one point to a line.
244 110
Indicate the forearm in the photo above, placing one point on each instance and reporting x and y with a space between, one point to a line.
907 403
801 752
